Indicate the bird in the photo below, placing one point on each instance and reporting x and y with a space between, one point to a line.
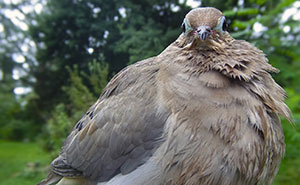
205 111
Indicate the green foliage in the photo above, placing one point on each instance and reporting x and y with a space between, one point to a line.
78 93
13 122
9 107
146 33
98 76
63 34
139 43
56 130
79 99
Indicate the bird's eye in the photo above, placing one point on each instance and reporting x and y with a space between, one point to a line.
224 25
183 27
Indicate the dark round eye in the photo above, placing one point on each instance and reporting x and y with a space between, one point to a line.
183 27
225 25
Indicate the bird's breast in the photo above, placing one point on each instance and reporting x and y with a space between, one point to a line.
215 129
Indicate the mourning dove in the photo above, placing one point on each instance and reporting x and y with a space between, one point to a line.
203 112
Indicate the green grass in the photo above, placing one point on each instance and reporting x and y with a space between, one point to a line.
289 172
21 163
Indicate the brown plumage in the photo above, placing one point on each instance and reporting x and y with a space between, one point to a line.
203 112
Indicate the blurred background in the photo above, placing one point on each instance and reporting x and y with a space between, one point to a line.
57 55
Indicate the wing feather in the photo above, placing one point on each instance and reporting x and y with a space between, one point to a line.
120 131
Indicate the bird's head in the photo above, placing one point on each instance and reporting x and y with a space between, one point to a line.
202 24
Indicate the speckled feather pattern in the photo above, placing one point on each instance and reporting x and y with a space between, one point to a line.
203 112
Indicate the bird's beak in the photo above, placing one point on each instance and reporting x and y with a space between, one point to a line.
203 32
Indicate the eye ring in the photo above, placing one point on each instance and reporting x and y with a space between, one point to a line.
183 29
224 25
186 28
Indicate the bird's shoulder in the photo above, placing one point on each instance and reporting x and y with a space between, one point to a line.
131 76
253 69
241 60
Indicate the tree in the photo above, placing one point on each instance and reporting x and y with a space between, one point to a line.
16 57
67 33
149 27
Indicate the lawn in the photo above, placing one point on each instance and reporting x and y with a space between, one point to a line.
21 163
